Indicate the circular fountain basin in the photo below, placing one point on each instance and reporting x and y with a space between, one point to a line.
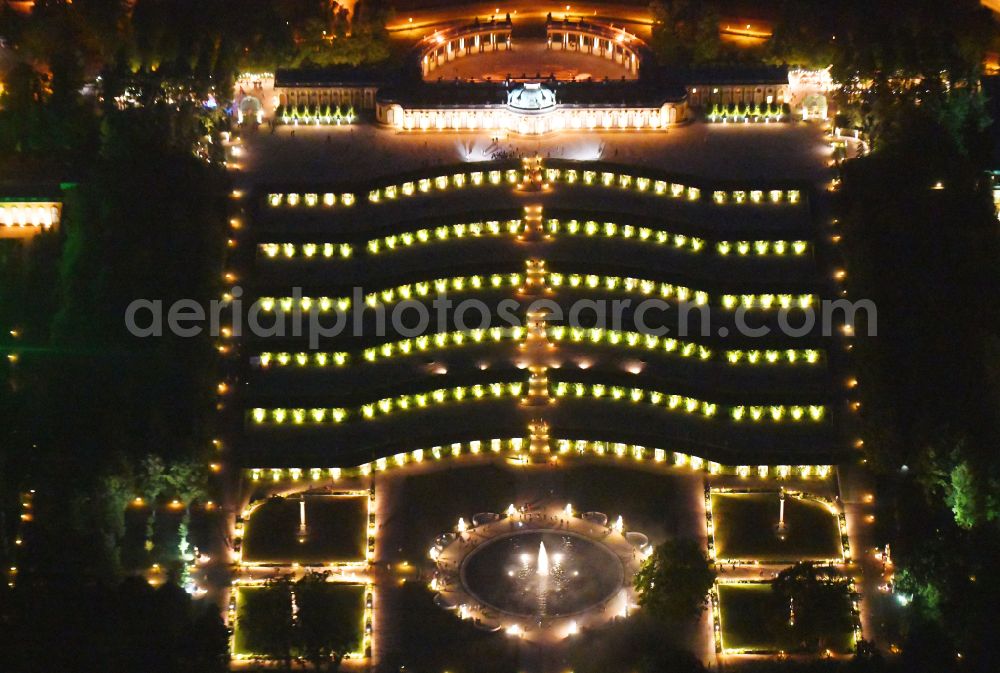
575 573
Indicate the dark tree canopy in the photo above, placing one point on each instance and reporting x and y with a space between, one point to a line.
920 240
324 632
266 621
129 627
674 582
319 630
819 603
685 32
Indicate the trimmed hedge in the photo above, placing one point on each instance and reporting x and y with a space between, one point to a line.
746 112
314 114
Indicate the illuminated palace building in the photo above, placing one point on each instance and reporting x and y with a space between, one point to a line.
613 87
530 108
328 426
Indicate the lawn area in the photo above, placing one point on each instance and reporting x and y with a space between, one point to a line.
428 638
431 503
428 504
336 530
755 619
659 505
745 528
243 643
344 611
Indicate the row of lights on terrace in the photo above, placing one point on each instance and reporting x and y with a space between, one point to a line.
229 277
13 357
27 506
840 274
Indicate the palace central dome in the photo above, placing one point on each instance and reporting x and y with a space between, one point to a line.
531 96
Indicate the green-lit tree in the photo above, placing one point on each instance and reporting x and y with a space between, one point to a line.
962 495
188 480
151 482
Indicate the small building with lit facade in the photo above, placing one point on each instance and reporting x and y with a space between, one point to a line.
334 86
28 210
725 85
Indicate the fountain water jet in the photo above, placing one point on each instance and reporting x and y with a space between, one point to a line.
553 578
542 563
781 515
302 520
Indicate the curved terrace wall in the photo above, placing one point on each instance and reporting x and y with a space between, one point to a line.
599 40
447 45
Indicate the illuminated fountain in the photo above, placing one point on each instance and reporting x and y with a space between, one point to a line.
539 574
542 574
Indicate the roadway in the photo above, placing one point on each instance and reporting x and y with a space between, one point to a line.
417 23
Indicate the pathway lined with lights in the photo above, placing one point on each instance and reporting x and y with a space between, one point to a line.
759 572
536 348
